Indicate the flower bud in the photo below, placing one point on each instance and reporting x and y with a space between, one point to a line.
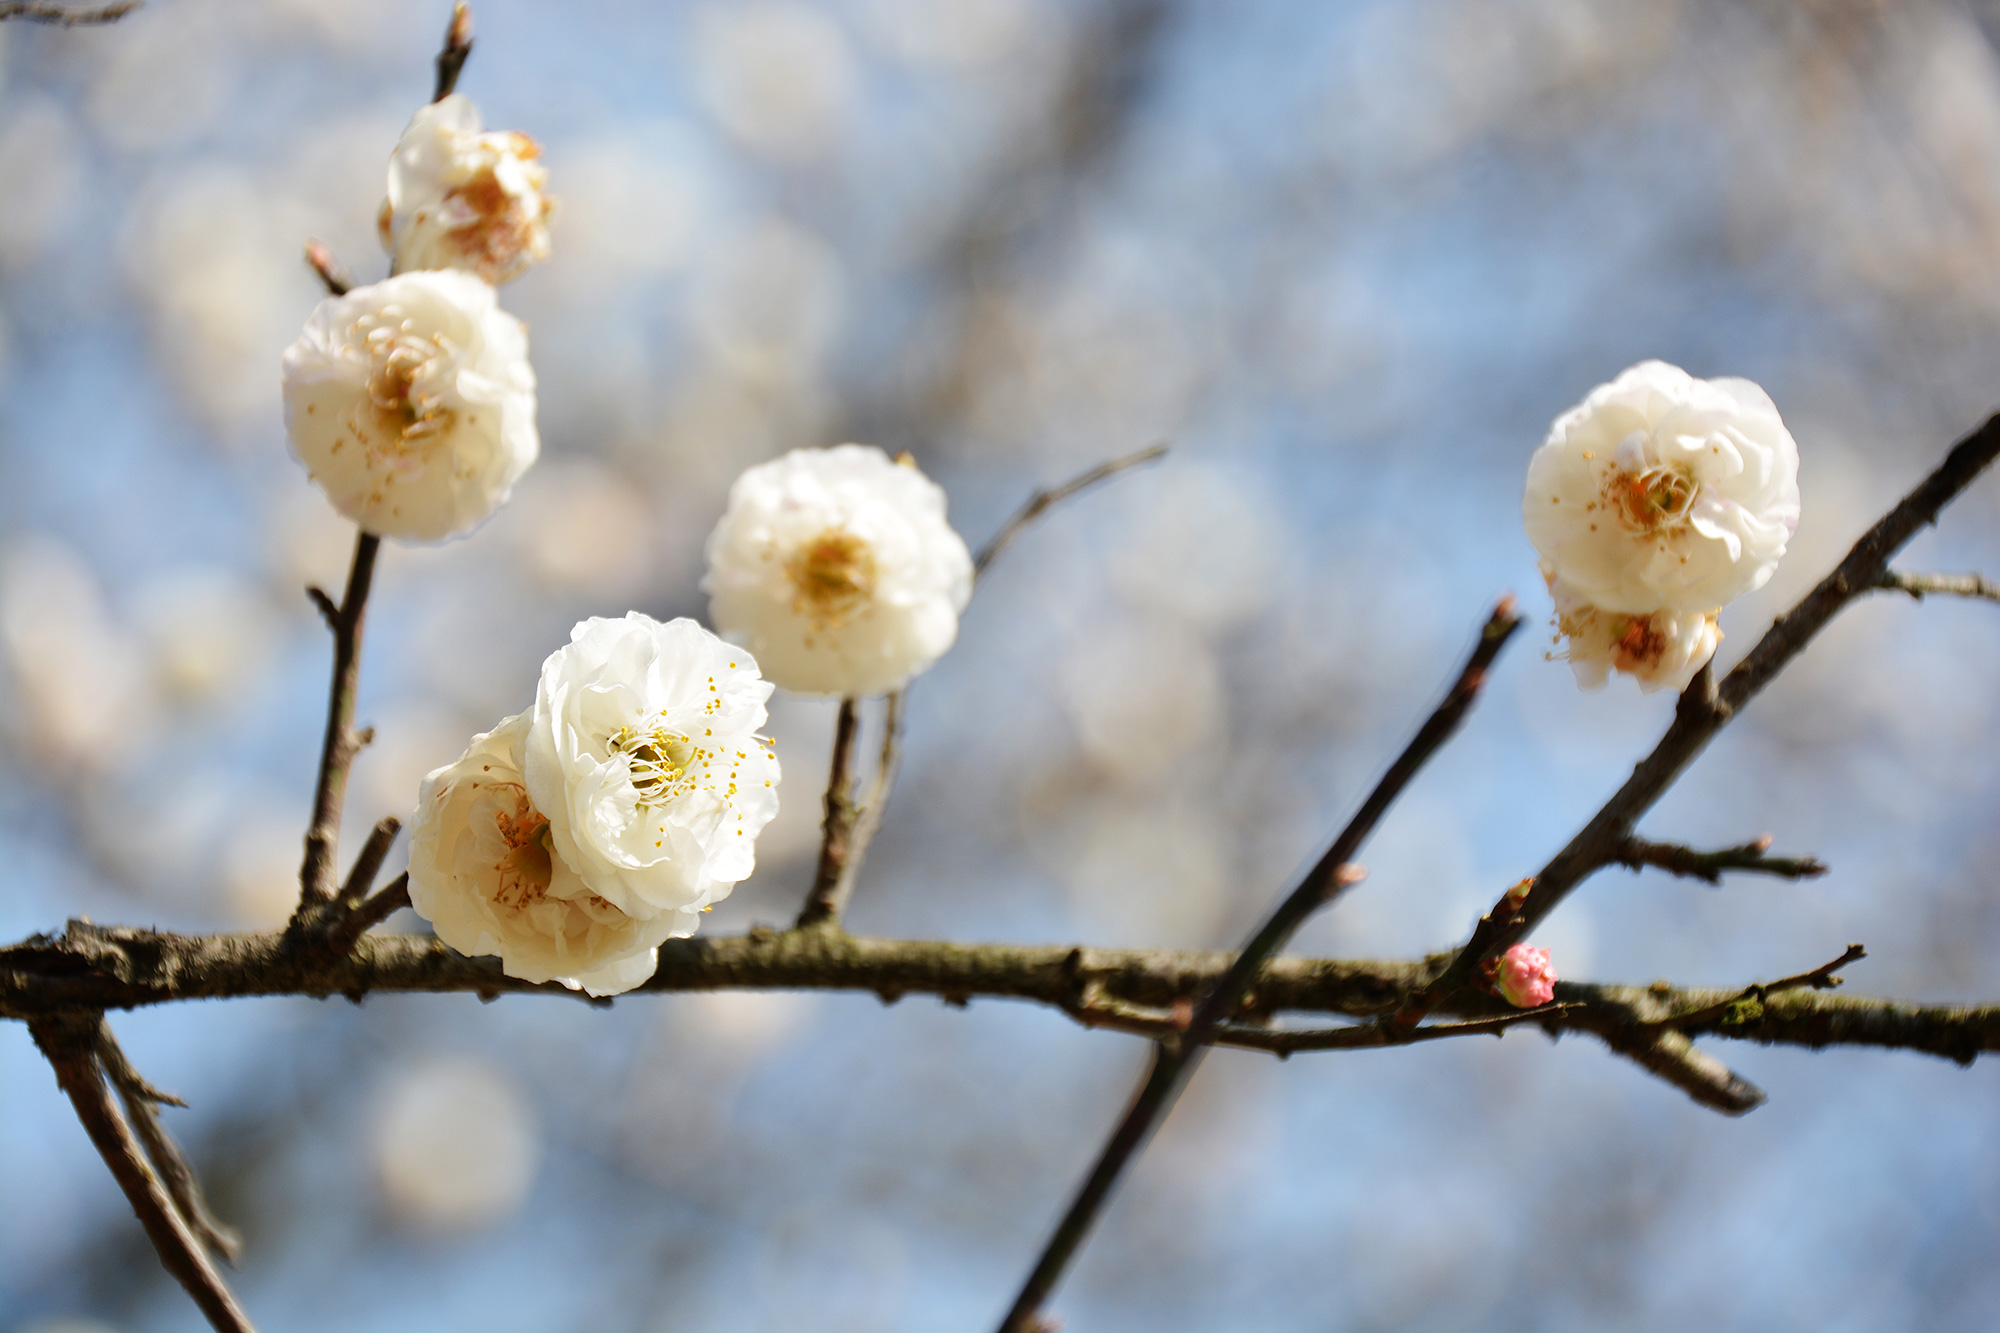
1525 977
465 200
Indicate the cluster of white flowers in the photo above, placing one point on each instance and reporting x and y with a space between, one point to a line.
576 836
573 838
411 401
1653 503
836 567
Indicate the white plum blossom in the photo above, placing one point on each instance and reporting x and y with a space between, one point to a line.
465 200
484 873
642 752
412 404
1663 492
1661 651
836 567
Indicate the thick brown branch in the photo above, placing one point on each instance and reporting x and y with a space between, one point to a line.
1918 586
1042 501
341 742
70 1043
1634 853
1175 1059
1705 708
114 967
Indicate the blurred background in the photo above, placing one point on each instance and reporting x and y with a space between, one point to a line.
1351 259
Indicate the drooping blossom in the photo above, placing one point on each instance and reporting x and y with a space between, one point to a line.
1525 977
412 404
1663 492
1661 651
484 872
836 567
642 754
460 199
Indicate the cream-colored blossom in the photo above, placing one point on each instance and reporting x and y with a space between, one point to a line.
411 402
484 872
1661 651
836 567
643 753
1662 492
462 199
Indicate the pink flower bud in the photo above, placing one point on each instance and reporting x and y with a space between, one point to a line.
1526 977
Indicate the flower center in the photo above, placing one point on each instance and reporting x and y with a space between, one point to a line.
398 362
833 575
657 760
1653 498
527 868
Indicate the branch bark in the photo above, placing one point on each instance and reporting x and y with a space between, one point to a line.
1918 586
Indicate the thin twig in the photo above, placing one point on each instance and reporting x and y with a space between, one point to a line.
393 897
319 258
452 56
1174 1059
1705 707
141 1101
1042 501
1918 586
1634 853
341 742
1099 1011
1820 978
361 878
867 814
838 825
70 1044
35 12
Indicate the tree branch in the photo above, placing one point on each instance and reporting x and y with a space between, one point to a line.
1918 586
395 896
821 905
70 1042
1044 500
1635 853
141 1101
92 967
35 12
1175 1058
457 48
1705 708
342 742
